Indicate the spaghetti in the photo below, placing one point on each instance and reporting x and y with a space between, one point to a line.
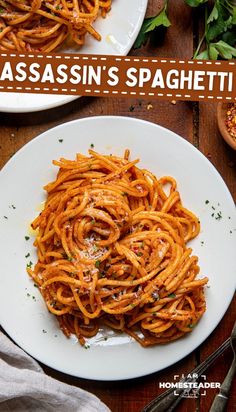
40 25
112 249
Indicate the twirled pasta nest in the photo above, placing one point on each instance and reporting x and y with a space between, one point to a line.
112 249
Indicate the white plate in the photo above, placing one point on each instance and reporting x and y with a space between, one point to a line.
118 30
164 153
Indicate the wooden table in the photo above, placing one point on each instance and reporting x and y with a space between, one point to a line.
197 124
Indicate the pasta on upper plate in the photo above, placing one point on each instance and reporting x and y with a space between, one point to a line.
41 25
112 249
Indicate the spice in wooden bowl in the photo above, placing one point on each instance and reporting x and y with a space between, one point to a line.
226 116
231 120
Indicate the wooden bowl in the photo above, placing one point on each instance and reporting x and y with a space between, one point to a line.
221 117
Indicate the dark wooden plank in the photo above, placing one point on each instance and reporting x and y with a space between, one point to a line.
224 159
219 370
131 395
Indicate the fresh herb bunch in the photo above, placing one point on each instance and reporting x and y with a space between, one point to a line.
219 35
220 32
150 24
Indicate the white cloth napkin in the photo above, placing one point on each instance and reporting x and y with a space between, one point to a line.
25 388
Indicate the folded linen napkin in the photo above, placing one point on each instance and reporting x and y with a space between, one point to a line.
25 388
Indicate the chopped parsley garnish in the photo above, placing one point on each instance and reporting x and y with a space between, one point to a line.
139 254
97 264
206 202
92 145
5 217
172 295
29 265
27 237
218 216
28 255
60 140
86 346
44 331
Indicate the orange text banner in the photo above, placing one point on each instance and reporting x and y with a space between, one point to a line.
145 77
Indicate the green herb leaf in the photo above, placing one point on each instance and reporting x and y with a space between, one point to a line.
230 35
142 36
214 14
195 3
218 27
159 20
225 50
213 53
203 55
172 295
150 24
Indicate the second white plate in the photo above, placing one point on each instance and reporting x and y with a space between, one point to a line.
118 30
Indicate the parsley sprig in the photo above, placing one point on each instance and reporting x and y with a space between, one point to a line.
220 32
219 37
150 24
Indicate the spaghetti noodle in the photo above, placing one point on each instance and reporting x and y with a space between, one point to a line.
40 25
112 249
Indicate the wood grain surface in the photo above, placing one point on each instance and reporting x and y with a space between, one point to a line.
197 124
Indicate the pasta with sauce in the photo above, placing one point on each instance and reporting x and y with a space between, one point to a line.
112 250
43 26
